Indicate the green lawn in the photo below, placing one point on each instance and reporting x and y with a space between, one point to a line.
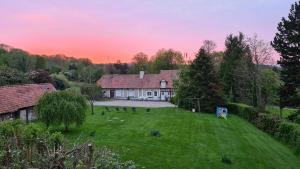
285 112
188 140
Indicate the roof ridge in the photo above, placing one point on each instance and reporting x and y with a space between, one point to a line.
23 85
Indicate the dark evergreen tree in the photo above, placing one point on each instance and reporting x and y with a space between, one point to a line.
287 44
200 81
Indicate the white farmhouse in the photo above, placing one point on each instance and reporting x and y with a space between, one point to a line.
139 86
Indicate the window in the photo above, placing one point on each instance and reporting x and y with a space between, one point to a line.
163 84
155 93
131 93
118 93
149 93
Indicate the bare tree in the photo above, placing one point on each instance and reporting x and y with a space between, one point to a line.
261 54
209 46
261 51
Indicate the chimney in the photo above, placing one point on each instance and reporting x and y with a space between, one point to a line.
142 74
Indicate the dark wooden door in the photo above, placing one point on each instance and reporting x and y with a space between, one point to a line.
112 93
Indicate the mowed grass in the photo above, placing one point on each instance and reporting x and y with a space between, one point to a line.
188 140
285 111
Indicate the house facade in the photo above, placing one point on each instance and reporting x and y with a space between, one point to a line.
18 101
140 86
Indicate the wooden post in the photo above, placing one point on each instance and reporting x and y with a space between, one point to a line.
198 101
27 120
90 156
178 105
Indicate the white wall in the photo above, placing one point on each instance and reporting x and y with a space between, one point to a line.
140 94
23 115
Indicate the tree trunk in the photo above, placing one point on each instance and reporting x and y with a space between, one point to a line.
254 91
259 97
92 107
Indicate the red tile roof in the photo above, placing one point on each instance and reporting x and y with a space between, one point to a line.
150 81
13 98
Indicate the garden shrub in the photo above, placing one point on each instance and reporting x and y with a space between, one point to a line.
287 131
297 119
294 117
244 111
290 133
268 123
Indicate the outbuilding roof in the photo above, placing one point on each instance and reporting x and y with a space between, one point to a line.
16 97
133 81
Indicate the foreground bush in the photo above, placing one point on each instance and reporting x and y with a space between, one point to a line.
62 107
268 122
29 146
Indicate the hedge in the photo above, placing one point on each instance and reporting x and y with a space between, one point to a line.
272 124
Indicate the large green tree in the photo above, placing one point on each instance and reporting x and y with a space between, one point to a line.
270 83
62 107
166 60
40 62
287 44
235 70
200 80
140 62
19 59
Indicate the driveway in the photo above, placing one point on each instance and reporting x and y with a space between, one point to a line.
130 103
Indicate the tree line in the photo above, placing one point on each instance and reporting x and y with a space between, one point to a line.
18 64
244 74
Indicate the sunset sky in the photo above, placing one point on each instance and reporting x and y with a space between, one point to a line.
110 30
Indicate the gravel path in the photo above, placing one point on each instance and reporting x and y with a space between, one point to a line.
130 103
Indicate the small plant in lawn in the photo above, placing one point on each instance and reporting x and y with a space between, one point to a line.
107 109
125 109
102 113
155 133
117 109
225 159
93 133
133 109
148 109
